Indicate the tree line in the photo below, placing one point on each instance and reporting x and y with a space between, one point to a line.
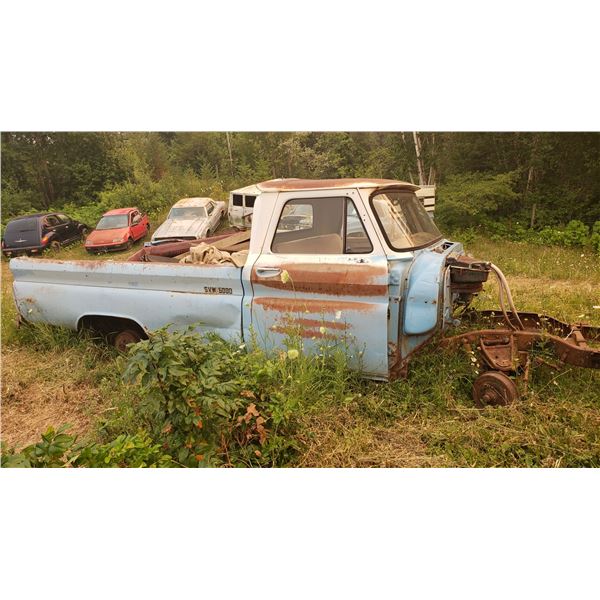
536 179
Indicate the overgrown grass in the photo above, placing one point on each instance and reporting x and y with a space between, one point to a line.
335 418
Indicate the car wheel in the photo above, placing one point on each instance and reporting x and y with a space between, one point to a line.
84 231
54 245
124 338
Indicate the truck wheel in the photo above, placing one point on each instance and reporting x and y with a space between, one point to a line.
54 245
494 388
125 337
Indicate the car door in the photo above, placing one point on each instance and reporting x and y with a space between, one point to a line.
52 224
323 275
138 227
213 216
66 229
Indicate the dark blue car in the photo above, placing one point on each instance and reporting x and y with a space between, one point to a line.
33 234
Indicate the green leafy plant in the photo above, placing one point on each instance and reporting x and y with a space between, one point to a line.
59 449
201 399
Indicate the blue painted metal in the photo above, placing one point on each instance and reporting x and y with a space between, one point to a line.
151 294
423 292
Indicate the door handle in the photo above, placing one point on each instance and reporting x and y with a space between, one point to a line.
268 271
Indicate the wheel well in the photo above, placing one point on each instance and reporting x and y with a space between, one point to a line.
106 325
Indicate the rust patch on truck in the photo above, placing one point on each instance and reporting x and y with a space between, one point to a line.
308 328
304 332
282 185
316 323
290 305
329 279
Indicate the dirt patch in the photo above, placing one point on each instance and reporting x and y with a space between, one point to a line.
32 401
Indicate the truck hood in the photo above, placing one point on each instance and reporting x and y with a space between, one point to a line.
173 228
106 236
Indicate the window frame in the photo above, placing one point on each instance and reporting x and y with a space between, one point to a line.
385 190
307 200
47 224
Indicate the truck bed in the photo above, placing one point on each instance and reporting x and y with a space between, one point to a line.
152 294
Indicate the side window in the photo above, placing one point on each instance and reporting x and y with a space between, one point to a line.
63 219
51 221
320 226
210 207
250 201
237 200
356 241
134 214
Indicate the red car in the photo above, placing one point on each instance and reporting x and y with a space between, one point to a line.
117 230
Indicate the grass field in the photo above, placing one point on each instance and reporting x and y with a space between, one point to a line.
427 420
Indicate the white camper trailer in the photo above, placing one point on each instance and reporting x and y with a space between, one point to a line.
241 205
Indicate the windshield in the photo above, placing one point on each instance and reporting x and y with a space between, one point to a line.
188 212
113 222
404 221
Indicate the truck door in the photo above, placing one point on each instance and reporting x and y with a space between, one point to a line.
322 274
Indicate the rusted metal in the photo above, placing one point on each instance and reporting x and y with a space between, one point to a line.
494 389
535 322
467 274
309 328
328 278
292 305
499 353
287 185
565 349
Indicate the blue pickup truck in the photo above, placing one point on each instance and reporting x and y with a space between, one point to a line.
352 260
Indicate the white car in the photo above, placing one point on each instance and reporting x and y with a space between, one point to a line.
191 219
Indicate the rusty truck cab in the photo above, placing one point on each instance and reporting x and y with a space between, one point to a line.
356 262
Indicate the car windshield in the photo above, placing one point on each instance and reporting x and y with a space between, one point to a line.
404 221
113 222
186 213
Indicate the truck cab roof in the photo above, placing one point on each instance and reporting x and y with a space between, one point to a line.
293 184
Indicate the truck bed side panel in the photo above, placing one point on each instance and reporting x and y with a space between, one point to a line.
151 294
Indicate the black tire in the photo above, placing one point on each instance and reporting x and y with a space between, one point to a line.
54 246
129 244
124 338
84 231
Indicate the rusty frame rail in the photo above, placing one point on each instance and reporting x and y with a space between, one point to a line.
507 349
